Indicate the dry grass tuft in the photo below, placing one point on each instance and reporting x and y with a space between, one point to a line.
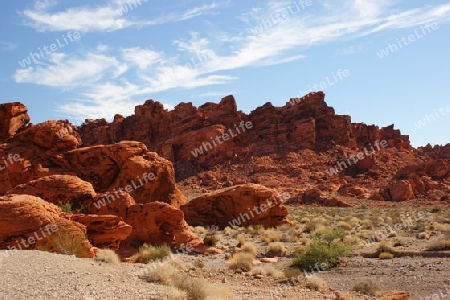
149 253
276 249
366 288
249 248
242 261
108 256
316 283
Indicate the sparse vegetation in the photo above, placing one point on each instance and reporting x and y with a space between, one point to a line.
249 248
439 244
367 288
276 249
108 256
316 283
169 273
210 240
326 248
242 261
148 253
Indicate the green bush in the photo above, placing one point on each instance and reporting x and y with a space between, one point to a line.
326 248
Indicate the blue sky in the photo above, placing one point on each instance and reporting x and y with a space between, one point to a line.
76 59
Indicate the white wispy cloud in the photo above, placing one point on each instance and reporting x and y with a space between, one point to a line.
7 46
146 71
112 16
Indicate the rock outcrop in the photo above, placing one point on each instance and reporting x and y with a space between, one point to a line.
59 189
241 205
28 222
159 223
305 123
13 117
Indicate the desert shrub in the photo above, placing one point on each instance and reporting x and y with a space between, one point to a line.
303 240
270 235
354 221
169 273
325 248
292 273
240 238
423 236
442 244
249 248
200 230
228 231
305 220
69 242
315 224
108 256
162 273
210 240
385 255
366 288
173 293
65 207
276 249
149 253
241 260
344 225
385 246
316 283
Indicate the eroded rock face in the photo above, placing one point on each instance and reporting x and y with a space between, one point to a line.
401 191
28 222
241 205
304 123
13 117
159 223
59 189
115 167
106 232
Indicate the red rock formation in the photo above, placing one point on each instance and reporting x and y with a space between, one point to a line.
125 164
59 189
241 205
39 224
13 117
105 231
159 223
309 124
